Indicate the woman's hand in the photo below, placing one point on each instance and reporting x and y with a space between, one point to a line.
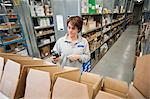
73 57
56 59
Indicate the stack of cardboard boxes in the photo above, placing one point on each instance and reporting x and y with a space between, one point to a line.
30 78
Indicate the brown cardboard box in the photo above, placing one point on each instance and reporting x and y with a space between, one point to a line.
1 66
1 49
67 89
25 64
55 71
22 79
116 87
9 82
14 57
104 95
142 75
134 93
93 82
33 62
70 73
45 51
37 85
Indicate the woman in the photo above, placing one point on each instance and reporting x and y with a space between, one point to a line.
73 49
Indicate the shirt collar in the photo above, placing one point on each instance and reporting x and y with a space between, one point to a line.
67 40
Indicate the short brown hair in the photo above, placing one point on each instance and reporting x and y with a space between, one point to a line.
76 21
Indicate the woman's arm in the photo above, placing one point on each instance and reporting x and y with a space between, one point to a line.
86 54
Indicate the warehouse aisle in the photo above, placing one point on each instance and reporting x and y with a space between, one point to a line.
118 61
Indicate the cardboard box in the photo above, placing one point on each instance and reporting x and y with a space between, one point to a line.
1 49
70 73
45 51
93 82
22 78
24 66
34 62
14 57
134 93
1 66
19 83
37 85
104 95
142 75
67 89
116 87
9 81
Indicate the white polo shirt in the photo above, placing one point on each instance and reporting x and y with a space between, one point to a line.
65 47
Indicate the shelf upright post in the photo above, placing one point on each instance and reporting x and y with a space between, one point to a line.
24 12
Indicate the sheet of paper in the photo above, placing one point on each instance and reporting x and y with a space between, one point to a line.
60 22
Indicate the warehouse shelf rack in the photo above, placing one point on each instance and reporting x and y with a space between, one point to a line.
13 40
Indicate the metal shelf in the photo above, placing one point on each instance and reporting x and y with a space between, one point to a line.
41 45
9 28
13 41
87 14
39 27
106 40
8 5
91 30
45 33
15 52
7 14
12 18
42 16
23 48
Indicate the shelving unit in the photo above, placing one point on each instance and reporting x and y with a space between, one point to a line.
103 37
42 26
12 38
143 39
37 21
108 28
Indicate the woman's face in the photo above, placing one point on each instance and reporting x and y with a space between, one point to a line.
73 31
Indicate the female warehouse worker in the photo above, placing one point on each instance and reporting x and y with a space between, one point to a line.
72 48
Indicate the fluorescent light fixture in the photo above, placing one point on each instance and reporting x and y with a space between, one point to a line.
139 0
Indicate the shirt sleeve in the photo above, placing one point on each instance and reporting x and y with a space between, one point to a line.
57 46
85 57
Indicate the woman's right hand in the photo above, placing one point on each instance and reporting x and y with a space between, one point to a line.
56 59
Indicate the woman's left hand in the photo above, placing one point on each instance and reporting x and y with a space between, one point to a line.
73 57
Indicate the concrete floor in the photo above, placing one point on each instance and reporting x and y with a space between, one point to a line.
118 61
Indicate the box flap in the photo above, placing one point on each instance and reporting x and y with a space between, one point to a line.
142 75
93 81
37 85
104 95
134 93
10 78
1 66
116 85
67 89
14 57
